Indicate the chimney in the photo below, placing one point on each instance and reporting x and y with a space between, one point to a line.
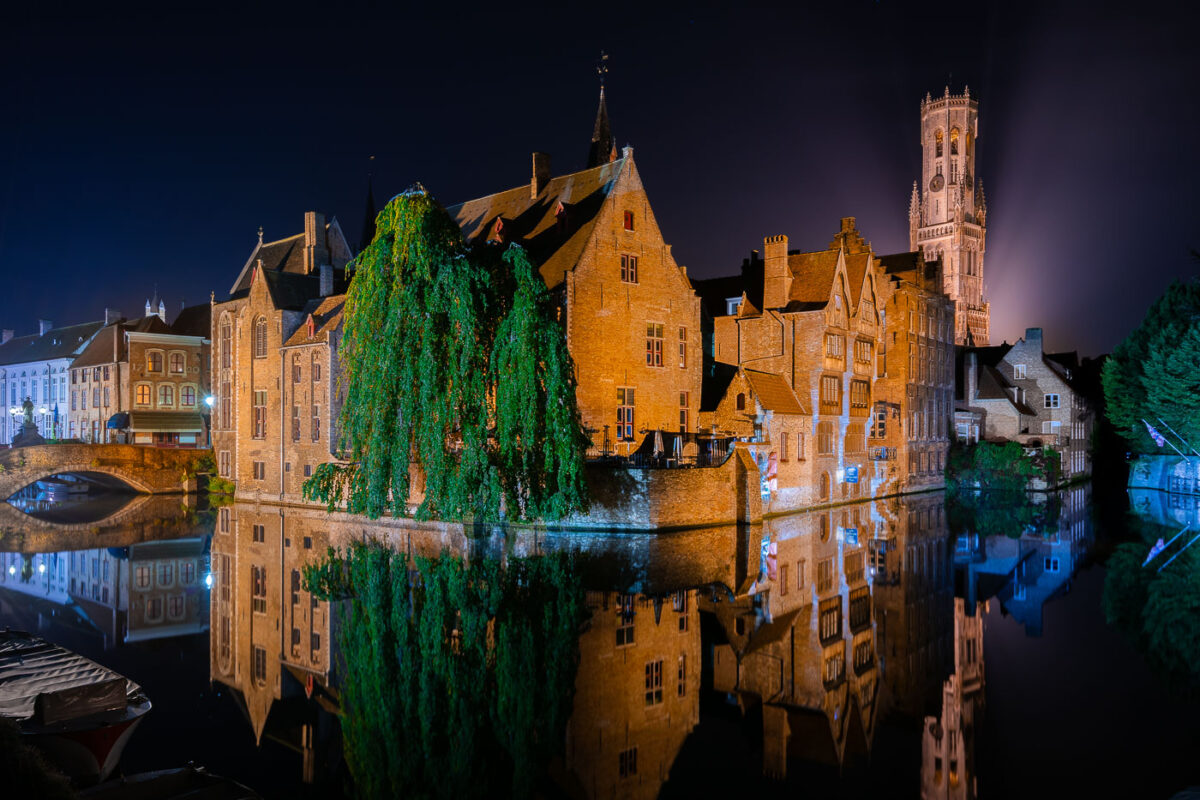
326 280
541 174
777 277
43 326
316 252
1033 335
111 315
970 378
6 334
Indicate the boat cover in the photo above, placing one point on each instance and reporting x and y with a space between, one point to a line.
41 680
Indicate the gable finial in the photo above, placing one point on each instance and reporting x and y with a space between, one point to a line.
260 235
602 68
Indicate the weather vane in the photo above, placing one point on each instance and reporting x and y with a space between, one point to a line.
602 67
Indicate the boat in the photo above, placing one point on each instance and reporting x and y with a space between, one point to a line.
78 713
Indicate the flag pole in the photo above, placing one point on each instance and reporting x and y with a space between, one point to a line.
1177 436
1166 440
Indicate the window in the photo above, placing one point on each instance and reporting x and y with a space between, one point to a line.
954 141
800 565
187 396
260 470
625 621
258 664
314 642
937 139
166 574
831 394
260 414
831 618
223 464
856 441
800 446
625 408
154 609
226 345
879 422
258 579
143 395
295 369
783 580
628 220
296 587
654 345
629 272
295 423
106 397
315 421
73 398
864 351
315 370
176 363
96 397
825 574
862 654
860 394
682 675
260 533
1019 371
166 395
680 604
142 578
1051 564
154 363
260 337
1051 401
175 606
825 438
682 348
835 345
1018 591
226 405
95 376
741 401
627 762
731 305
783 445
653 683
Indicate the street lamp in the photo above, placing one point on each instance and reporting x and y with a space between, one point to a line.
208 401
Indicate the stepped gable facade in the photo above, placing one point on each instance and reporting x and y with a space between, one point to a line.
631 317
284 286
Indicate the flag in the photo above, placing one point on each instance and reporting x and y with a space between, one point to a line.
1158 548
1158 438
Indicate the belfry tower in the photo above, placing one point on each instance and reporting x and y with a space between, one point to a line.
947 214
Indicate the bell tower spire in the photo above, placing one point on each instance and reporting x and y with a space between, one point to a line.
604 147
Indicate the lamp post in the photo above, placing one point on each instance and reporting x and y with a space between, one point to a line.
208 401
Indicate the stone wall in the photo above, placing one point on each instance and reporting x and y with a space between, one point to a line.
151 470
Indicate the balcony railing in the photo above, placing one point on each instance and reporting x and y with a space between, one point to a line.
881 453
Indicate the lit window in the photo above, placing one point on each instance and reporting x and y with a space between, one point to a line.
683 348
154 363
258 577
177 363
1019 371
625 413
143 395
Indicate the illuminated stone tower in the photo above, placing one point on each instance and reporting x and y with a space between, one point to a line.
947 214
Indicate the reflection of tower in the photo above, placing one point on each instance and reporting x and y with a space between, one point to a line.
637 692
947 215
948 743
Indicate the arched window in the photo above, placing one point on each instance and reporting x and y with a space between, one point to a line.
143 395
954 141
176 362
937 138
260 337
166 395
154 363
741 401
226 344
825 496
187 395
315 372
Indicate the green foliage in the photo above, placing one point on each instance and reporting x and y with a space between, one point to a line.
457 679
1002 513
203 463
1158 611
992 466
221 486
1155 371
454 364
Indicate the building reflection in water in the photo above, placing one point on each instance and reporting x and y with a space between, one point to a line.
824 622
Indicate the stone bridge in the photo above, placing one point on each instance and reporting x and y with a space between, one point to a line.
149 470
145 518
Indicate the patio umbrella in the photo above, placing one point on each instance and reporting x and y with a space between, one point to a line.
658 444
677 447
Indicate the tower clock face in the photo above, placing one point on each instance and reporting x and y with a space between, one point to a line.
937 183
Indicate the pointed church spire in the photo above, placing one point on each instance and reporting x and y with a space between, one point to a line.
369 214
604 147
914 203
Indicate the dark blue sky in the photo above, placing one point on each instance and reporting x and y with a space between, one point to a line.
143 146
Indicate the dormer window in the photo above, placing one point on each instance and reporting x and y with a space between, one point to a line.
628 220
1019 372
731 305
497 235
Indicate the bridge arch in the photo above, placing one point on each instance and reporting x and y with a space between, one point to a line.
148 470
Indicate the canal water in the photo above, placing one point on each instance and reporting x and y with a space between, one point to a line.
908 647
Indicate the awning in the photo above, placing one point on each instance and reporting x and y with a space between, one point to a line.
118 421
165 422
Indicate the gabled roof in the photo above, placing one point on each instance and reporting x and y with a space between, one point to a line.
291 292
326 313
856 273
194 321
994 386
63 342
714 382
773 392
102 348
553 227
812 279
285 256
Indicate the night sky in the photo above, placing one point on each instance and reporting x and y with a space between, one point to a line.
144 146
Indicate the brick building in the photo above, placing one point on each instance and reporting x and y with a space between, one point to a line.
143 382
632 319
912 418
1021 393
287 290
820 328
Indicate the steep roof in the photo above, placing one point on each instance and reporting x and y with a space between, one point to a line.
856 273
62 342
194 321
553 227
714 382
773 392
102 347
293 292
812 279
286 256
327 315
603 147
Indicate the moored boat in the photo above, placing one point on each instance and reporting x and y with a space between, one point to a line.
78 713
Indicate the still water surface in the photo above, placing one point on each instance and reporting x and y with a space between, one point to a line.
884 649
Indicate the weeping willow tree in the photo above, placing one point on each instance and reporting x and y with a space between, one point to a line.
454 362
457 680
